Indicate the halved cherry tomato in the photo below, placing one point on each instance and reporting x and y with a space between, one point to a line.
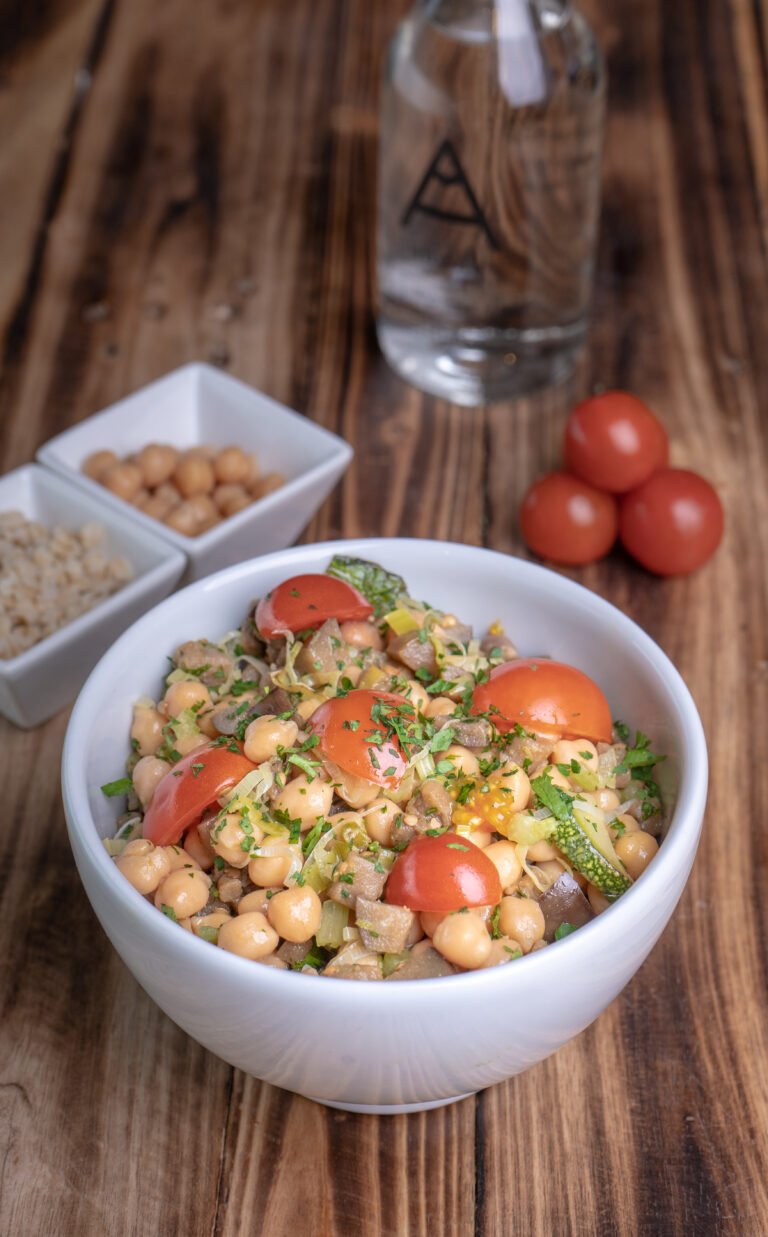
356 733
567 521
546 697
614 441
443 874
307 601
672 523
190 787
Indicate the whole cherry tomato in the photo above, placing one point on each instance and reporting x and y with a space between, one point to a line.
567 521
672 523
358 733
183 794
546 697
614 442
306 602
443 874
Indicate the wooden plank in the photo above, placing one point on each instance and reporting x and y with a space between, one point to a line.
46 57
219 202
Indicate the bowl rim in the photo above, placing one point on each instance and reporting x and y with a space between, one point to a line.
679 844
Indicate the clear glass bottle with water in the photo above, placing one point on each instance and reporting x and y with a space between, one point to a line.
489 194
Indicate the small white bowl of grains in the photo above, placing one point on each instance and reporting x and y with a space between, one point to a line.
219 470
74 574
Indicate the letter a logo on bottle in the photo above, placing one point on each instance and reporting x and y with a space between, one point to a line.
444 172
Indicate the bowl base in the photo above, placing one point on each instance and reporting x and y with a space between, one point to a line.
391 1110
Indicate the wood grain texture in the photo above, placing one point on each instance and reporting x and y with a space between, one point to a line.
212 195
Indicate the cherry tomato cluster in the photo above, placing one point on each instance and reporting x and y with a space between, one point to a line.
618 483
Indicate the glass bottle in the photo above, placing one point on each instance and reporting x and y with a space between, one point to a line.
489 195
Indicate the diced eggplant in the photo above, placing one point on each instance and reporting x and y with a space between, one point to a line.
321 653
423 964
357 877
292 953
469 734
498 642
208 663
355 970
413 652
384 929
564 903
430 806
228 720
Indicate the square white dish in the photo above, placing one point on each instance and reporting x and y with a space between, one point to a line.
199 404
44 678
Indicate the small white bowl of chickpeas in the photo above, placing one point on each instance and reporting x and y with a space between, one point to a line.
216 468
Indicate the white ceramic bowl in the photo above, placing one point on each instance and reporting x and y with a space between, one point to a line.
392 1047
44 678
199 404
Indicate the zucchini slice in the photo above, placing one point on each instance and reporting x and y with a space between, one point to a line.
571 839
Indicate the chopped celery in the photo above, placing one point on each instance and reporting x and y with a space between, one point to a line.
528 829
401 621
333 921
390 962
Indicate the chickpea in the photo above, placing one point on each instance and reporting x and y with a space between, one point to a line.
295 913
464 940
169 494
157 462
464 760
517 788
140 499
199 851
214 920
356 792
146 774
143 864
267 484
440 706
231 466
193 475
542 851
186 694
379 819
230 499
271 870
597 900
97 463
249 935
178 858
230 841
623 824
504 857
206 511
479 837
187 743
580 750
122 479
503 949
606 800
305 708
636 850
305 800
183 519
523 920
557 778
361 635
202 451
256 900
266 734
157 507
185 891
147 730
418 696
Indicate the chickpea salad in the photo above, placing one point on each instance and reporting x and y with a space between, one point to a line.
354 784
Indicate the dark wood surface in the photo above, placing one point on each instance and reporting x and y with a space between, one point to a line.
198 181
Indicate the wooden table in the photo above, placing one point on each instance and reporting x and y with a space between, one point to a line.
197 181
